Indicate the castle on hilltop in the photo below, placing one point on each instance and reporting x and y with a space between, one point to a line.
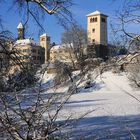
42 52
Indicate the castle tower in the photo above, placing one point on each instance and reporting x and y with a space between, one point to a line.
20 29
45 43
97 28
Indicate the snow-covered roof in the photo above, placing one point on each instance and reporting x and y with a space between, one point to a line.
61 46
20 26
96 13
43 35
25 42
56 47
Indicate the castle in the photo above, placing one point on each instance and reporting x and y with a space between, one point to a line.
31 52
39 53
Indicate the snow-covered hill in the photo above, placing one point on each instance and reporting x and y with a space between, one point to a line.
116 109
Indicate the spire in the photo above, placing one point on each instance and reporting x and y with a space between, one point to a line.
20 26
20 29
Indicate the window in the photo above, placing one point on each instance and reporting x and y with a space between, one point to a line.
34 57
93 30
42 39
90 19
93 40
48 39
25 50
95 19
103 20
38 58
25 57
33 51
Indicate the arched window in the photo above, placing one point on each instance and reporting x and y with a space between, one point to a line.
96 19
91 20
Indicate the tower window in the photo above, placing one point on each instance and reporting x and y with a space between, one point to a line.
103 20
91 20
95 19
42 39
93 30
48 39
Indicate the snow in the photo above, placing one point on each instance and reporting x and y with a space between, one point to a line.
113 106
43 35
25 42
20 26
128 58
95 13
61 46
56 47
110 95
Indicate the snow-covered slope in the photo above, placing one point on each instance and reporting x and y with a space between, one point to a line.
112 106
115 105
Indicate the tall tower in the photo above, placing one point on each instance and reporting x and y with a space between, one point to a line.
45 43
97 28
20 29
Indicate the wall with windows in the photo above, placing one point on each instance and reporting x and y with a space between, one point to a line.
94 29
30 53
61 53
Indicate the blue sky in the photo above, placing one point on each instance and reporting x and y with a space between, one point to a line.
11 18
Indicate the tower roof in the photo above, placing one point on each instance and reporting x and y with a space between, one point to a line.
96 13
20 26
44 35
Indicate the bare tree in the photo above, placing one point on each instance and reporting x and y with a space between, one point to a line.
127 17
38 8
32 115
76 37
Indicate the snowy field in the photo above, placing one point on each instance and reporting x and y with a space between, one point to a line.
114 107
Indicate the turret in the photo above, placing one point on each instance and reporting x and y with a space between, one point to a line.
45 43
20 29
